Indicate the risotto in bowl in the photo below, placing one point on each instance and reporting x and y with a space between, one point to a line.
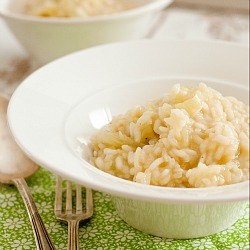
169 145
49 29
160 133
191 137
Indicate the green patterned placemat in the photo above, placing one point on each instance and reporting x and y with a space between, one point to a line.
104 231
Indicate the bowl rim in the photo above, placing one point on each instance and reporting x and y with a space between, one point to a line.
143 9
229 197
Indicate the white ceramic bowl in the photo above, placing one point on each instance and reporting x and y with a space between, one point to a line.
46 115
49 38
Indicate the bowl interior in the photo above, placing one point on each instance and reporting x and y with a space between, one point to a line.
12 6
96 111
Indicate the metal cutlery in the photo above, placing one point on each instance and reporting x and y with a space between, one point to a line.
70 215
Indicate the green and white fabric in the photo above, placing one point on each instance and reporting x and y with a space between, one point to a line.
104 231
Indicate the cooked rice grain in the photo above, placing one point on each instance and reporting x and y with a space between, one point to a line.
76 8
192 137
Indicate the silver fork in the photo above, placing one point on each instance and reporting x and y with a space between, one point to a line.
72 216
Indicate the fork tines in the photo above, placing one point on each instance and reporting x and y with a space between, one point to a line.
69 213
72 216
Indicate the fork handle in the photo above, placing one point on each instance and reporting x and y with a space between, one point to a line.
73 241
43 241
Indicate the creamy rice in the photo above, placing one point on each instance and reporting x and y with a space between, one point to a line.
192 137
76 8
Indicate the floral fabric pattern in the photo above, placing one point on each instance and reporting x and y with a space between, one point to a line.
105 230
